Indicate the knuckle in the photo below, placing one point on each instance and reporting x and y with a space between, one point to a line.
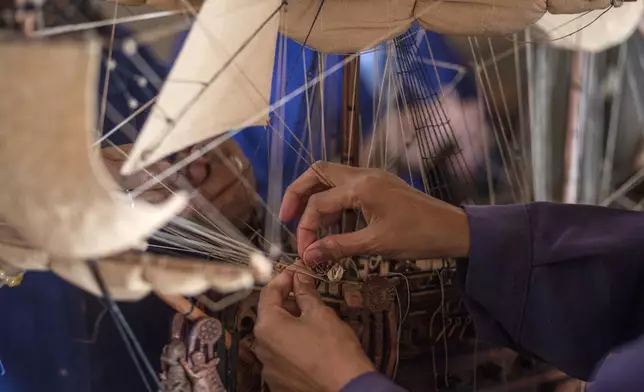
314 200
320 166
355 193
261 329
316 206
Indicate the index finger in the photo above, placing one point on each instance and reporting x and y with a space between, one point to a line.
319 177
276 291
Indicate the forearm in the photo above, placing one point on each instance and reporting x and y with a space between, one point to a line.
372 382
560 281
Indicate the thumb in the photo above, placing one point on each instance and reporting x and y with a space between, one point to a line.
306 294
338 246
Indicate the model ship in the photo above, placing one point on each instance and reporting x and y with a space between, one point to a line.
59 216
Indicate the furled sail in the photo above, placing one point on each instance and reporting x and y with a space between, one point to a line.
593 31
347 26
220 82
350 26
579 6
479 17
56 191
129 276
133 275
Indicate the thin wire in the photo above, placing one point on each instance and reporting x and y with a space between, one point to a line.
401 319
518 44
108 71
185 184
132 344
569 34
126 121
101 23
96 327
306 40
492 110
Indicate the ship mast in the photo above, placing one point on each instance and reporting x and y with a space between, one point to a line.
350 144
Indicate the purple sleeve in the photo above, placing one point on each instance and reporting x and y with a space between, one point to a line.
562 282
372 382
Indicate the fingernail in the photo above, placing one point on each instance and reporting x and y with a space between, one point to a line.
313 256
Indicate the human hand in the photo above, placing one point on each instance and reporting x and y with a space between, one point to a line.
402 222
304 346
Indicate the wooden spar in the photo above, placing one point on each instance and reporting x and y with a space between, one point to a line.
350 127
575 132
350 110
182 305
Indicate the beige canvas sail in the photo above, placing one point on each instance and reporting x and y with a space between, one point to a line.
345 26
221 80
348 26
580 6
55 190
494 17
132 275
478 17
594 31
